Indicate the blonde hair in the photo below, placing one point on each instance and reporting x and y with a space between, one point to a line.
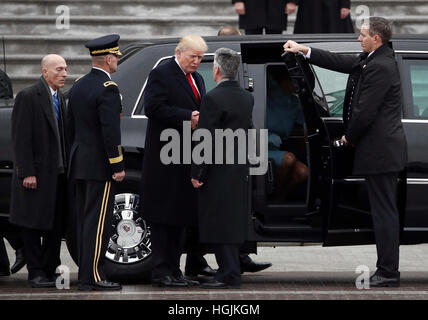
191 41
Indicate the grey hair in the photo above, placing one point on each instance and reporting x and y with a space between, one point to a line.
381 27
228 61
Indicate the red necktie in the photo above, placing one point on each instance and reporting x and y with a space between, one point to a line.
195 91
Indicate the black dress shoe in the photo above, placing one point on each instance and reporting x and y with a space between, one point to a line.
253 266
20 261
169 281
206 271
4 271
102 285
191 283
377 280
219 285
41 282
53 277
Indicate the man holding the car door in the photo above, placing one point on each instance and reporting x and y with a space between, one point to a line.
372 120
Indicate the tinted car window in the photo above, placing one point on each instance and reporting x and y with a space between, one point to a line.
206 71
419 83
333 84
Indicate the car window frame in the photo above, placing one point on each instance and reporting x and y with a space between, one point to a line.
406 85
354 52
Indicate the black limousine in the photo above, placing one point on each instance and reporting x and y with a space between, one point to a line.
330 207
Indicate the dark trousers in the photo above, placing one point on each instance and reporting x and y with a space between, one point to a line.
260 31
94 205
195 250
382 189
167 246
43 248
229 268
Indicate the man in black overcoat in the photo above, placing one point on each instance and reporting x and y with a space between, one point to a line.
323 16
256 15
172 96
223 194
96 159
372 118
38 183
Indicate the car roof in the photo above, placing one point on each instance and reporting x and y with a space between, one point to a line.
331 37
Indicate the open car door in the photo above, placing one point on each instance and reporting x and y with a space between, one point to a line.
341 197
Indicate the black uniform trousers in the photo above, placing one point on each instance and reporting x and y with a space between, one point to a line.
382 189
229 267
43 248
167 247
94 205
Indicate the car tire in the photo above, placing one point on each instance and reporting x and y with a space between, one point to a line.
128 257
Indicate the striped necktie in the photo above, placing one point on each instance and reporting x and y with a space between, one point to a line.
56 104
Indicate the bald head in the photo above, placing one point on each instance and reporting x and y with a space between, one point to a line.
229 31
54 70
51 59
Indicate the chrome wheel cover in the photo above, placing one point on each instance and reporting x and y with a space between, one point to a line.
130 241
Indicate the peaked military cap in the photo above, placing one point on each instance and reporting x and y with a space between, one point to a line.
104 45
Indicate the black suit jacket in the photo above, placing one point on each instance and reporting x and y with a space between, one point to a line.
375 126
36 145
167 193
224 196
94 109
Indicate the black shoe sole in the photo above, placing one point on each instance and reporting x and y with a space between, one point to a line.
161 285
93 288
32 285
385 285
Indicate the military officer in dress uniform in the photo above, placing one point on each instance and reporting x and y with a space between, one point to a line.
96 160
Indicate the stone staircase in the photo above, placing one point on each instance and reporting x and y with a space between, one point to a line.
33 28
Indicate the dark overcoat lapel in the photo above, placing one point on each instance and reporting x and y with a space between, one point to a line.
182 80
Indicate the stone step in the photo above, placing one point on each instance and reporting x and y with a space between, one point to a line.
20 82
172 7
159 26
26 64
144 8
125 25
42 45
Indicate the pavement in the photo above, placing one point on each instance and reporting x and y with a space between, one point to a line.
308 272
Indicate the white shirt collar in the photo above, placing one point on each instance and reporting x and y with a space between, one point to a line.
52 90
176 60
193 80
108 74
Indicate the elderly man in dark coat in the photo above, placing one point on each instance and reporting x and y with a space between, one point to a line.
323 16
254 15
224 187
172 97
372 114
38 186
